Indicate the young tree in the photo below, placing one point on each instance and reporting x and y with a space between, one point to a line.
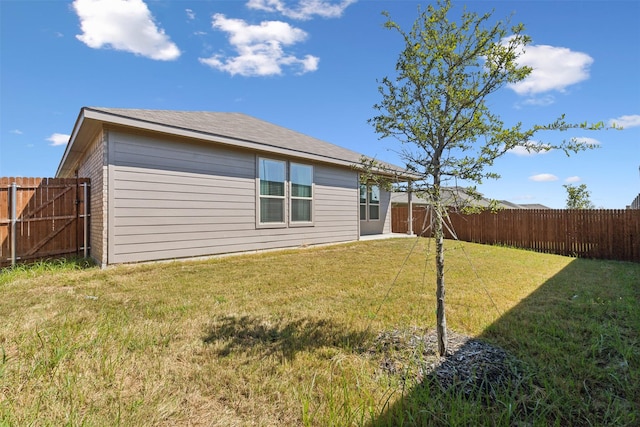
436 107
578 197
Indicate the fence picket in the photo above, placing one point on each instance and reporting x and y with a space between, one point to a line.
587 233
48 221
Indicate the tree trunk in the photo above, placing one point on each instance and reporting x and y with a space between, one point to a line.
441 320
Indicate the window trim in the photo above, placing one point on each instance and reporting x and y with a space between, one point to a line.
288 222
259 197
360 204
368 203
311 222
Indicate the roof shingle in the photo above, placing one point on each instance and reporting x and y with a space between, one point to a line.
238 126
234 129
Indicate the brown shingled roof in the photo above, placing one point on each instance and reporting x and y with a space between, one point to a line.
235 129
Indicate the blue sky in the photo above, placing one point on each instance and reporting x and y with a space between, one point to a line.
313 66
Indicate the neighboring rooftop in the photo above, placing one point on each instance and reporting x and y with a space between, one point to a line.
510 205
534 206
460 197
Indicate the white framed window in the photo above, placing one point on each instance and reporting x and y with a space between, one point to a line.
301 181
369 202
374 202
363 202
272 176
285 194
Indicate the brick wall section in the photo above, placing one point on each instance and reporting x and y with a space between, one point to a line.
93 165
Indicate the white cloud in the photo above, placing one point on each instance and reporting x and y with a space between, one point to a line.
543 177
541 101
123 25
190 14
626 121
529 149
305 9
572 179
16 132
259 48
57 139
554 68
521 151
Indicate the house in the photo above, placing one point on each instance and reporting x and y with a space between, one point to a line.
510 205
178 184
533 206
458 197
455 197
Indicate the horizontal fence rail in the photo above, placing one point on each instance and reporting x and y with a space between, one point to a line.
43 218
586 233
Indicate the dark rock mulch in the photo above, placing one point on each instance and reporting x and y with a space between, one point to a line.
470 366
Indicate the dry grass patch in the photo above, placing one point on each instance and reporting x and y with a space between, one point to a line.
280 338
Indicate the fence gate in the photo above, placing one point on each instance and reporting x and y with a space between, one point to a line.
43 218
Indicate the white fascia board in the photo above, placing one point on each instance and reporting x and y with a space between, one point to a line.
70 145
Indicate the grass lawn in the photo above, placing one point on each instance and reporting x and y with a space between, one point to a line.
280 338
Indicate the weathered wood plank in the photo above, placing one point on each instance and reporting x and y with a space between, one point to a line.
49 222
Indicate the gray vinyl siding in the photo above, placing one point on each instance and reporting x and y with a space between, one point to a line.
383 225
171 198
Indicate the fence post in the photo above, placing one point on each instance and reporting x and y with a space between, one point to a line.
14 214
85 252
77 213
410 209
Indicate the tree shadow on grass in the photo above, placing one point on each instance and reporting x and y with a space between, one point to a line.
284 338
574 359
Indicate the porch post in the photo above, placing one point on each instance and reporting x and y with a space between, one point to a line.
410 205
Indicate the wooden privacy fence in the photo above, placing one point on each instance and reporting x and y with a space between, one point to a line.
586 233
42 218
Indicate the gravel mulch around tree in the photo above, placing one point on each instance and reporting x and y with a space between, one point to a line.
470 366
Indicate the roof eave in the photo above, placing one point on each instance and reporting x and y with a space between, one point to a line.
71 149
89 120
